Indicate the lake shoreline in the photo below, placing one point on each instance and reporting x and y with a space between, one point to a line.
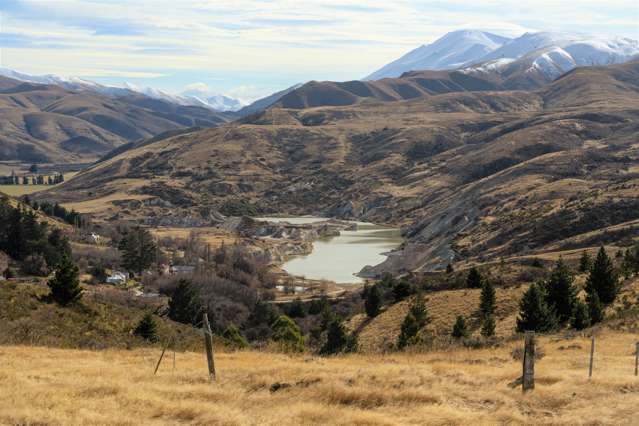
340 255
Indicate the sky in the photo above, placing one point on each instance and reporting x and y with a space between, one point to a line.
248 49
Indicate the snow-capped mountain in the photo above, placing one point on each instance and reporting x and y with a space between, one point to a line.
188 98
69 83
201 95
450 51
547 54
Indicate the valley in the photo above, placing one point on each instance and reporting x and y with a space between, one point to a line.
198 229
457 172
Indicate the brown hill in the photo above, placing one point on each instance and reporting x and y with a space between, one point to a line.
44 123
469 175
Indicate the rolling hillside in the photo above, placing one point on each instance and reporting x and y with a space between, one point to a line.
471 174
47 123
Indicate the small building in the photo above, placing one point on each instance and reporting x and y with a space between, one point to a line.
117 277
182 269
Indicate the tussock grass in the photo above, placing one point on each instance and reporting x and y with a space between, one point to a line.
461 386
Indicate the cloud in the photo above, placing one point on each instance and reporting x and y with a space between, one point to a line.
242 41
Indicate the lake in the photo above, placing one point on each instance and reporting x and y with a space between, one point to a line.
339 258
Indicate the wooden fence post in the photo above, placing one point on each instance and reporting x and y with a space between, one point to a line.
208 342
528 376
159 360
592 356
636 358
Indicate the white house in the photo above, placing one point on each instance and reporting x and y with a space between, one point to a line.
117 277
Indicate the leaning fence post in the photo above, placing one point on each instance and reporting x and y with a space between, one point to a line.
159 360
208 342
592 355
528 376
636 358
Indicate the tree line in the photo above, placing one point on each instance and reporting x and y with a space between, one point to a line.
27 240
56 210
32 179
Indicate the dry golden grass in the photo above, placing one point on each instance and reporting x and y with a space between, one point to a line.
380 333
208 235
54 386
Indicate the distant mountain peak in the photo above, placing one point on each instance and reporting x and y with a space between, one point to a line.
450 51
546 53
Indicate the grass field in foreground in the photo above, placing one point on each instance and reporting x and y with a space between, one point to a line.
58 386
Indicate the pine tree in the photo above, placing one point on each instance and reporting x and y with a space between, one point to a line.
287 334
474 278
185 305
581 316
460 329
585 262
296 309
487 299
488 326
401 290
534 313
147 328
595 308
138 250
418 309
414 321
561 294
409 333
373 302
337 339
65 284
603 279
234 337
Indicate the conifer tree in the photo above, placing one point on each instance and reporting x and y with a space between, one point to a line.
474 278
585 262
65 284
534 313
560 291
418 309
287 334
581 316
488 326
460 329
487 299
401 290
595 308
414 321
603 279
338 339
233 335
373 302
138 250
147 328
185 305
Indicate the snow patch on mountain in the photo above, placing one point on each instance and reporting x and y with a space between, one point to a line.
450 51
202 98
550 53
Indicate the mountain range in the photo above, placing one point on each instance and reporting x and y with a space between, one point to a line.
468 174
547 53
69 121
190 97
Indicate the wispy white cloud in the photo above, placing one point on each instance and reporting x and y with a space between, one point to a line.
239 45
